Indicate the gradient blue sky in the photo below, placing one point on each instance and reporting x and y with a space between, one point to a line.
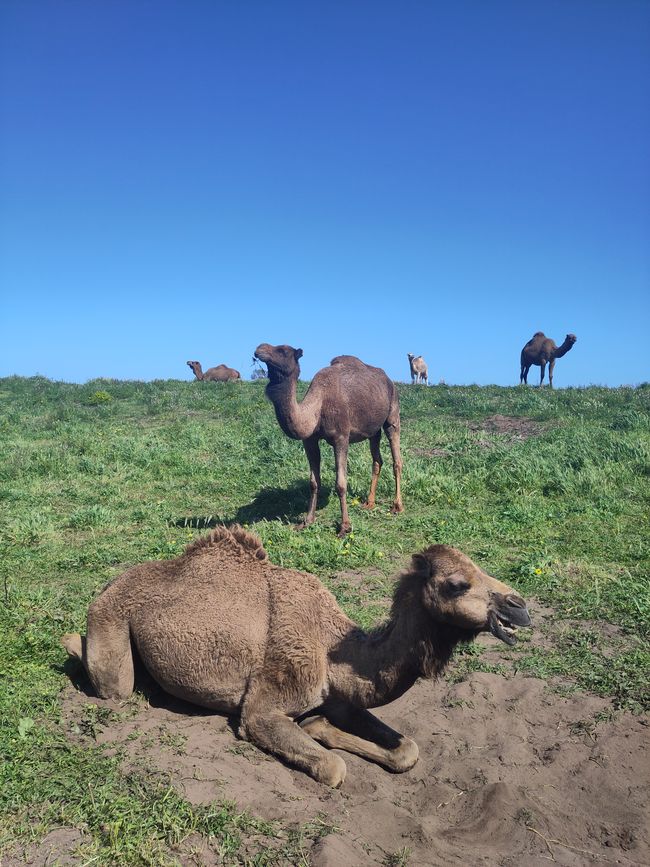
188 179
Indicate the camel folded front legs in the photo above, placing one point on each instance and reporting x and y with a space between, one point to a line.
357 731
276 733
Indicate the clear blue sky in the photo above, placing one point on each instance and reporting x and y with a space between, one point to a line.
188 179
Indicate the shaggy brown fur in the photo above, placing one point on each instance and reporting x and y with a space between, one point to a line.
222 627
220 373
541 350
419 369
347 402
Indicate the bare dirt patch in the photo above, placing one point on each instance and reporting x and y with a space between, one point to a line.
514 428
508 774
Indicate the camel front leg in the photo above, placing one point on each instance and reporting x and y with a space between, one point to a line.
550 372
341 461
377 462
312 450
542 371
276 733
357 731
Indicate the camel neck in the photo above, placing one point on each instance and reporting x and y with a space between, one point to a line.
379 666
297 420
562 350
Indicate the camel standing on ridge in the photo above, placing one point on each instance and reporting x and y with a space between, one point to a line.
541 350
223 628
419 369
220 373
347 402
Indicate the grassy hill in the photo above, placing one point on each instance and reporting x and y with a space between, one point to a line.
548 490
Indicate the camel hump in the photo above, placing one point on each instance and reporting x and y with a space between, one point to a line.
349 360
539 334
234 536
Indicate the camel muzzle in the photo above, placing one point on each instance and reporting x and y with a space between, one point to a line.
509 613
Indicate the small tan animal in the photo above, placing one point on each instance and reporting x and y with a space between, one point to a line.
419 369
222 627
220 373
347 402
541 350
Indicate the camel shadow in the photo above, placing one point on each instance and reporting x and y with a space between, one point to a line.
269 504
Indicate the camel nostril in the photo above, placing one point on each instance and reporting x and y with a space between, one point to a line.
515 601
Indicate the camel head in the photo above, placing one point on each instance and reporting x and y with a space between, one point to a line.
194 365
570 338
410 356
281 361
459 593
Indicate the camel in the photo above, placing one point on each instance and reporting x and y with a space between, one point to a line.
541 350
223 628
220 373
347 402
419 369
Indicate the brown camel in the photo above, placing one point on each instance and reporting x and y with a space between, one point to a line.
222 627
220 373
419 369
541 350
347 402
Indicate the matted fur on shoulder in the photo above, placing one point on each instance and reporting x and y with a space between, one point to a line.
248 543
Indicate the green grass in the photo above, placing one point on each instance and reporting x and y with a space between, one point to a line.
96 477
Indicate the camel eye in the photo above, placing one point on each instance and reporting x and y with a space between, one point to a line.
455 587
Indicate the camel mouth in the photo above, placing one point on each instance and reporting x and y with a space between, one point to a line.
504 626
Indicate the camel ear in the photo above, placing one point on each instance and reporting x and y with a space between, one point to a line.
421 564
297 353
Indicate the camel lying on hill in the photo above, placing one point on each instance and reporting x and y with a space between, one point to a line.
541 350
347 402
220 373
419 369
222 627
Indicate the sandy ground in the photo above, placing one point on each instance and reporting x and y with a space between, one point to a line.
510 773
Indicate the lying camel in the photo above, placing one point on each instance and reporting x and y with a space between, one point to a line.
222 627
220 373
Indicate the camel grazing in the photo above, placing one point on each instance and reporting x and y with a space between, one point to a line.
220 373
222 627
347 402
419 369
541 350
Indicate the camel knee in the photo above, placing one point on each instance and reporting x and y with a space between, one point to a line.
329 769
73 643
403 757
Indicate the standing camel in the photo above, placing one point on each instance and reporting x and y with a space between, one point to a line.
220 373
347 402
541 350
419 369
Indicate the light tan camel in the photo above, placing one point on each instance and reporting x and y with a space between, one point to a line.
220 373
222 627
347 402
541 350
419 369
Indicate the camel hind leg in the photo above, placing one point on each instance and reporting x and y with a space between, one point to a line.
392 429
105 653
376 468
